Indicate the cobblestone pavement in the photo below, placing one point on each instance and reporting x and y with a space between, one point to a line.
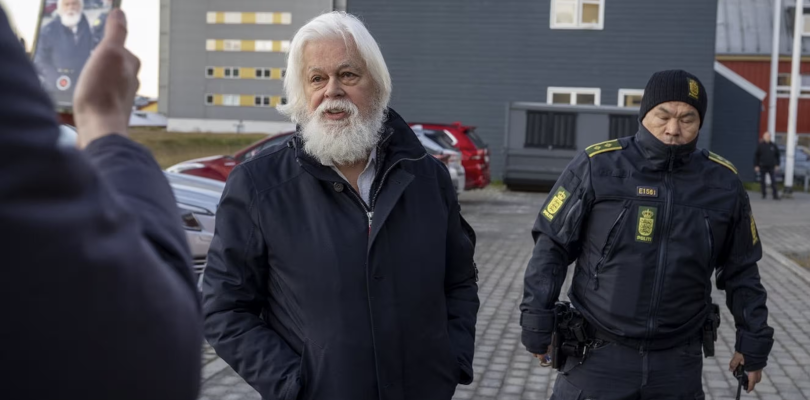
505 371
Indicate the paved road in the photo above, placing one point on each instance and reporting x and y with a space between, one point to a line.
503 369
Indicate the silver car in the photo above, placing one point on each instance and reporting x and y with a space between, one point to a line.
435 144
197 199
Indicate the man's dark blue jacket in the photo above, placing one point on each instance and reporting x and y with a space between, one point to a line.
310 293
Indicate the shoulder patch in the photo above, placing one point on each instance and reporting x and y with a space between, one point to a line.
599 148
722 161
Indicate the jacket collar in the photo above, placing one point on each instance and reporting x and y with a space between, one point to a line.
397 142
662 156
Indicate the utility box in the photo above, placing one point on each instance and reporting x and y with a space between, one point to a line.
541 139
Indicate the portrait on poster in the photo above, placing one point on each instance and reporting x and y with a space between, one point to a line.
69 31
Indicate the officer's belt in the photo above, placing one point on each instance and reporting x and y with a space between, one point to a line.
654 345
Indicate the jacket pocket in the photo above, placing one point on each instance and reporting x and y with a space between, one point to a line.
610 240
565 390
311 371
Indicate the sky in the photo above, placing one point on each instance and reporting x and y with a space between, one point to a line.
143 17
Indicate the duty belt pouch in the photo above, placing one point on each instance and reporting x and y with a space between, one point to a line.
558 357
570 336
710 330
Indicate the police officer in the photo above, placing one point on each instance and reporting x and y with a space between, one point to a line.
648 219
64 47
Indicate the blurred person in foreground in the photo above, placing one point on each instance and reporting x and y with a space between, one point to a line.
63 46
98 300
341 268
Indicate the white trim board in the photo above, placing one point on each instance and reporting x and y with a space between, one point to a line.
738 80
228 126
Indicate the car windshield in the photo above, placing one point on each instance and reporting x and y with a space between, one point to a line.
270 143
439 137
479 144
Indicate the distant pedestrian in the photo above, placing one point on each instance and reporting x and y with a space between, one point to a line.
766 162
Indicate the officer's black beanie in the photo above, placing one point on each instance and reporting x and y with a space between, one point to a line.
674 85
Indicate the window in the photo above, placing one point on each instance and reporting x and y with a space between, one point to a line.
806 23
550 130
235 72
283 73
273 18
477 141
630 97
209 99
440 138
577 14
259 72
227 72
622 125
783 82
209 72
267 73
258 101
232 45
283 100
574 96
233 18
230 100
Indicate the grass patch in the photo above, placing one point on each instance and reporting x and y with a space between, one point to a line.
170 148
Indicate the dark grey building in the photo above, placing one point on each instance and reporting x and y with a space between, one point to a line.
737 109
465 60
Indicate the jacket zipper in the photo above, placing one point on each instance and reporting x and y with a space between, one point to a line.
370 215
709 236
662 255
607 247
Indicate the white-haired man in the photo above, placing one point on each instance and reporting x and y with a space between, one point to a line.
341 267
64 46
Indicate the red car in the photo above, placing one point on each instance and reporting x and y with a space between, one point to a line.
474 152
219 167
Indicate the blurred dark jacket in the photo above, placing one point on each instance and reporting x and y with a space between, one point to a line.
96 291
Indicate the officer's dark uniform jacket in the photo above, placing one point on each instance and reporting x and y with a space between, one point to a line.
648 224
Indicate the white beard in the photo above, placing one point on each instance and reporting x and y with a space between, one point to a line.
341 142
70 20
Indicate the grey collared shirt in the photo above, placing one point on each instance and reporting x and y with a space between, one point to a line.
366 178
